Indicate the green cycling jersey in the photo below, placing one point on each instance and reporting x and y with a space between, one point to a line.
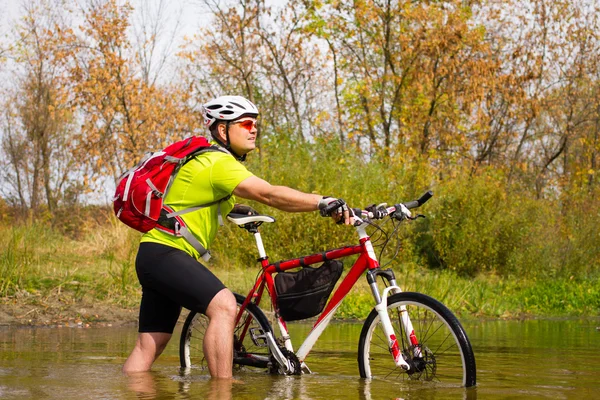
208 177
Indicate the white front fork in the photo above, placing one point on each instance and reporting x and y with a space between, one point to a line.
381 309
388 329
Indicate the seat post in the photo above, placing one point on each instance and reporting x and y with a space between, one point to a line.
259 245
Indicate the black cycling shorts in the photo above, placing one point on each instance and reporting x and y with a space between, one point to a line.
170 279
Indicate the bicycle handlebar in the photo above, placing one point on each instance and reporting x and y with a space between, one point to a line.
418 203
390 210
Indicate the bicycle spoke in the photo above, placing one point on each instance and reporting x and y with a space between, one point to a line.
448 348
427 335
448 337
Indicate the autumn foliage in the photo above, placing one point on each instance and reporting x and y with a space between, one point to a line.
394 96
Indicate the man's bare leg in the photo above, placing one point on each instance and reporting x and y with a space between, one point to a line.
218 340
148 347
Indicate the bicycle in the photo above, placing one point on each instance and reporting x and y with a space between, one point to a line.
431 344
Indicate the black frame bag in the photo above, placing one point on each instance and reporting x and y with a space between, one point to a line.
303 294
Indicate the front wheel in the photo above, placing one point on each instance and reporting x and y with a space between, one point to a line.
441 352
250 349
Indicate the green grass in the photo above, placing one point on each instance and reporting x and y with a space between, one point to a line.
486 296
485 249
37 260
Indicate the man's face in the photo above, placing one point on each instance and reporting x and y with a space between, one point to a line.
242 135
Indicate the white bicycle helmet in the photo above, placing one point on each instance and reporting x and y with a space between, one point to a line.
227 108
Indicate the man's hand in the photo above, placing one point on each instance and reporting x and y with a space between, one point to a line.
243 209
337 209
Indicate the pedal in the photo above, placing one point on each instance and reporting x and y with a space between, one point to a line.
258 337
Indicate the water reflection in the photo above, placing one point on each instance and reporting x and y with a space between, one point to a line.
143 384
264 386
217 389
369 390
530 359
157 385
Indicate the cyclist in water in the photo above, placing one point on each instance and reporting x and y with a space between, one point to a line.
168 267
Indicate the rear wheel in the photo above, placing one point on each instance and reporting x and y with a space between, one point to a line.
250 349
443 353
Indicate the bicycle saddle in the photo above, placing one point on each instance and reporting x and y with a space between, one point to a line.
242 219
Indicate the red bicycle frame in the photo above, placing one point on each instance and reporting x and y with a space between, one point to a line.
366 261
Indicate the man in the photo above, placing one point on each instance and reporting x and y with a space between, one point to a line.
167 266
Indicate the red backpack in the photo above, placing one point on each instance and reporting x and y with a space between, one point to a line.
138 200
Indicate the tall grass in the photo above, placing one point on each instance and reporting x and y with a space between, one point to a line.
99 267
475 223
477 226
485 249
16 259
37 259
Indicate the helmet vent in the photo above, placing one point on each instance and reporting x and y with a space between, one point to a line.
228 108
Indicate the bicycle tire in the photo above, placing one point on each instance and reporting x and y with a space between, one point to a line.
247 354
447 355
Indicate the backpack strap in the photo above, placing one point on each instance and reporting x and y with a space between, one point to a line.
175 226
192 209
170 221
185 233
183 160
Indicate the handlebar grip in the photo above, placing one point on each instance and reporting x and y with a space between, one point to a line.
334 205
418 203
411 204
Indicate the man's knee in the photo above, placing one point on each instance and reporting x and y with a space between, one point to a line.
153 342
222 305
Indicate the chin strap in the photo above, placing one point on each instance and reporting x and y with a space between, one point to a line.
227 146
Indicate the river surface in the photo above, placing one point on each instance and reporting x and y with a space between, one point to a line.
543 359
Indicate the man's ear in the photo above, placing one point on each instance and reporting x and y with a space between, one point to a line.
221 132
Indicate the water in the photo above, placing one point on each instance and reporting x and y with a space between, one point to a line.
558 359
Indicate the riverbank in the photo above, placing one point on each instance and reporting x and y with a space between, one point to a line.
62 311
88 278
485 297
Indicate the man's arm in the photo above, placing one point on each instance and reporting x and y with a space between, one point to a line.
280 197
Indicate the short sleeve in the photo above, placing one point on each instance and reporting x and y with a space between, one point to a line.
227 173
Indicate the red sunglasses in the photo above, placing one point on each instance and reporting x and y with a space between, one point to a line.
247 124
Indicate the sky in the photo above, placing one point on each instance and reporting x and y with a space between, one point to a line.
190 11
184 17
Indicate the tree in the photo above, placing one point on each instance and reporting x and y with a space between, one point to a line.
406 70
37 123
124 113
547 52
264 54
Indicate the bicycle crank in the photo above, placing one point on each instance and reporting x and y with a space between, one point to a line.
293 362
